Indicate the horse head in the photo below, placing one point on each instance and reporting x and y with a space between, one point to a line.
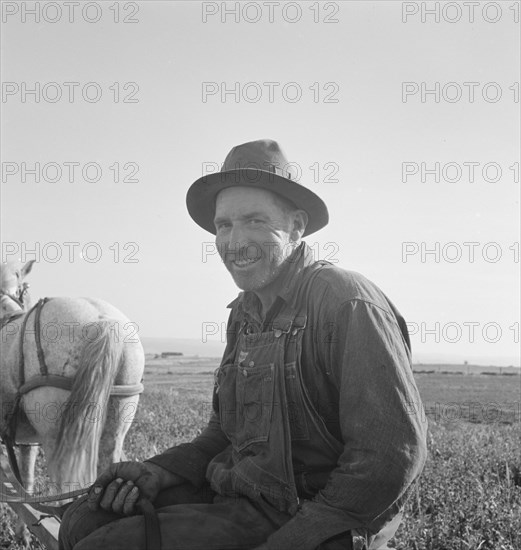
14 293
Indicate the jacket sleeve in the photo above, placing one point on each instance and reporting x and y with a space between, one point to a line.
382 426
190 460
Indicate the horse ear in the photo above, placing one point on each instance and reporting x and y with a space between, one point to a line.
26 269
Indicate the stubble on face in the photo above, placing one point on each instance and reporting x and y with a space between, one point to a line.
253 236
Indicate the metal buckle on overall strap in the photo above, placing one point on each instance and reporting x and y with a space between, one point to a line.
299 323
289 324
282 326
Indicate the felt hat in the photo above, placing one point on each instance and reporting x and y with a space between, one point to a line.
260 164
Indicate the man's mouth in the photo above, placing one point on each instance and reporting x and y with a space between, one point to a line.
245 262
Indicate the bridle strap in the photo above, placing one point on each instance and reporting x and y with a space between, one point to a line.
16 299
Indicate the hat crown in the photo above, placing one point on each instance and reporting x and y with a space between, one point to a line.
262 154
260 164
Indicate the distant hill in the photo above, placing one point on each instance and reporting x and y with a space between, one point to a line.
455 359
214 348
186 346
447 368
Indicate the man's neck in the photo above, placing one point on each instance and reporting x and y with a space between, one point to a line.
268 294
267 298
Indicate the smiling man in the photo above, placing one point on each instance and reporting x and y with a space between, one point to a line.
256 231
316 436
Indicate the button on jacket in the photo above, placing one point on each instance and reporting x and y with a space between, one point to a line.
355 365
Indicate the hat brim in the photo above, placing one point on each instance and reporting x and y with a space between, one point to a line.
200 198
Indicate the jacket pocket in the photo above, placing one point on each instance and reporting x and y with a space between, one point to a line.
254 398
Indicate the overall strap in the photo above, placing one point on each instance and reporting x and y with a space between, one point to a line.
293 317
39 350
308 276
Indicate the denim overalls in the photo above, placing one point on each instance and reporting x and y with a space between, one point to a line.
263 407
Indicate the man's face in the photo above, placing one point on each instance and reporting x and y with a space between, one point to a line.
253 235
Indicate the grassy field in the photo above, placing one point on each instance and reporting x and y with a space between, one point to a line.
469 497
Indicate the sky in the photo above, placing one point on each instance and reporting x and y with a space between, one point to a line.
403 116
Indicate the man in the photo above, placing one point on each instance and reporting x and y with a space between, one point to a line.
316 436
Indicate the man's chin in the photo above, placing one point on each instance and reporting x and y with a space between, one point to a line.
246 284
245 281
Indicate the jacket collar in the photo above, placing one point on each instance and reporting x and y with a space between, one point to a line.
301 258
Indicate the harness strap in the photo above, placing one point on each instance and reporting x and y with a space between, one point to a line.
127 390
54 380
38 337
10 443
9 434
21 372
58 381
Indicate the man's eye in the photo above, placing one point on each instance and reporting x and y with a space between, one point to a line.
255 221
222 226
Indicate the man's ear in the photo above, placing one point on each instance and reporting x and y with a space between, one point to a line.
300 221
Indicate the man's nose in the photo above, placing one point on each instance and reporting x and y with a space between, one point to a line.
237 238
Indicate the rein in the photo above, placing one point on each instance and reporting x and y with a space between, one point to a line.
20 495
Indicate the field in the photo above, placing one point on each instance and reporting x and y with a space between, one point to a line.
469 497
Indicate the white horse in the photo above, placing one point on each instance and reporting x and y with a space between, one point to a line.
82 364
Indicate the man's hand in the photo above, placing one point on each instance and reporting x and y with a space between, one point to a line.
119 488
